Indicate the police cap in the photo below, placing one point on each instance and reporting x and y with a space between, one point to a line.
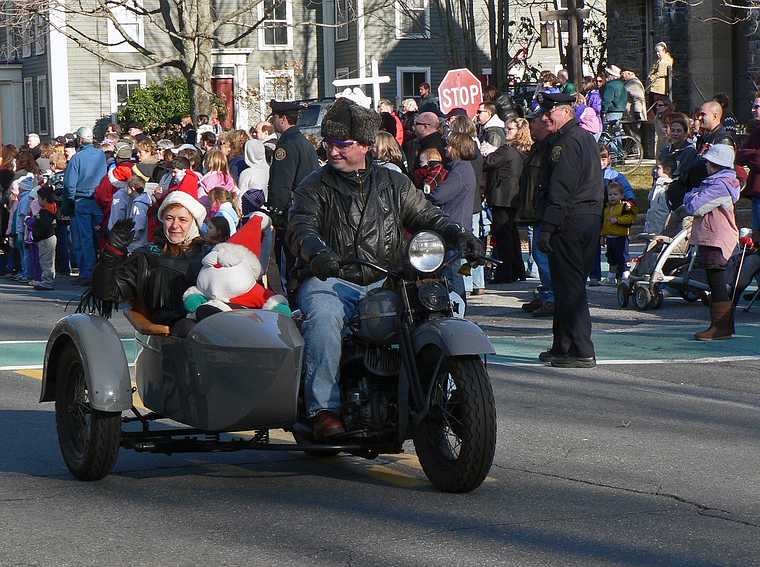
547 101
286 106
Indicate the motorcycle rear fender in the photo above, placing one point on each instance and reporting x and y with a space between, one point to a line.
106 370
455 337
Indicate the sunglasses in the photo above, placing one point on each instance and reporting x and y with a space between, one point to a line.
328 143
755 106
422 124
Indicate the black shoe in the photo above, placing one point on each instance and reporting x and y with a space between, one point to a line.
573 362
531 306
547 356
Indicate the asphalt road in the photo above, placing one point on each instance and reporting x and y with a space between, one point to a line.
626 464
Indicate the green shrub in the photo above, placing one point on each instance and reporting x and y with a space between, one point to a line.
157 104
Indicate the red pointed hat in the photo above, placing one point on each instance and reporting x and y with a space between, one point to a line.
250 235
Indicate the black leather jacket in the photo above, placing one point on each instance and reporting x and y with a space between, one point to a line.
361 215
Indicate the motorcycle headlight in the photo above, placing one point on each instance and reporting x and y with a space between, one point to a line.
434 296
426 251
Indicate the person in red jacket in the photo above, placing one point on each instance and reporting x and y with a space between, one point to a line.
115 179
384 105
749 155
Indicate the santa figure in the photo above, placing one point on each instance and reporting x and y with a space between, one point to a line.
229 276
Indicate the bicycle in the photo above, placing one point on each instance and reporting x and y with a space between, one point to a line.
626 153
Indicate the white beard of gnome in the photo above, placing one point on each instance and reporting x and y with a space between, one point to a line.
230 272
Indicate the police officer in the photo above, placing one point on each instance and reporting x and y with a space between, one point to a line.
571 219
294 158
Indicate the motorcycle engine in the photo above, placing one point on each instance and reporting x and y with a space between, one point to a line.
370 389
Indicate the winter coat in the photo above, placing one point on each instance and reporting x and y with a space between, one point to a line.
84 172
217 179
624 215
594 100
658 76
115 180
503 169
120 207
361 215
45 223
638 99
749 155
658 211
237 165
138 212
614 97
712 203
493 132
455 194
588 119
256 176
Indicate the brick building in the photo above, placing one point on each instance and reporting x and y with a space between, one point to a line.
710 56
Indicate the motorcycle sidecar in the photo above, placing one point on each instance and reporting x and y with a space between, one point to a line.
235 371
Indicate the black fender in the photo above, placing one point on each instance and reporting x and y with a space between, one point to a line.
106 370
455 337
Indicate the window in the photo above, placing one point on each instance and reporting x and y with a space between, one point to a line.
344 12
276 30
122 87
547 35
27 39
277 85
342 73
28 105
408 80
40 35
130 22
43 111
485 76
412 19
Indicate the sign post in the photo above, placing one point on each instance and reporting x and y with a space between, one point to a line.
575 14
374 79
460 89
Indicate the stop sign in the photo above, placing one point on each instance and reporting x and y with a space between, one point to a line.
460 89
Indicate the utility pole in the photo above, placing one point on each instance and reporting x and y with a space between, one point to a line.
574 43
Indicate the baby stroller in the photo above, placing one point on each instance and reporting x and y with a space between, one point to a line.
665 269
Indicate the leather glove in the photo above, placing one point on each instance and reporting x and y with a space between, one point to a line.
471 247
122 234
325 265
544 242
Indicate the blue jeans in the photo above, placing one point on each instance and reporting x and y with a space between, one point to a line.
24 268
542 263
62 262
328 307
87 216
756 214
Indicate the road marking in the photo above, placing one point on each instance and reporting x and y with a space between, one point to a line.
30 354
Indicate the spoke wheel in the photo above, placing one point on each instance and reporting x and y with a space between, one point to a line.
456 441
89 439
626 153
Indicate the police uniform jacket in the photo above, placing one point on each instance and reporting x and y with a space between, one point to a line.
361 215
575 183
294 158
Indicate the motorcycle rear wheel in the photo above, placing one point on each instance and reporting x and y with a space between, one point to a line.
456 441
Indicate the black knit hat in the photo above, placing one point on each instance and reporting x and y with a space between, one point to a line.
346 120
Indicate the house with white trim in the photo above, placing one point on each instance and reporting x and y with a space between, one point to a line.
50 85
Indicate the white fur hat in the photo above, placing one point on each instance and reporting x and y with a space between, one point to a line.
193 205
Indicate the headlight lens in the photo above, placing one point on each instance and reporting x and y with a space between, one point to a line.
426 251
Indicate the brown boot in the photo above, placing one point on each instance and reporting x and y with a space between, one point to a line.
721 318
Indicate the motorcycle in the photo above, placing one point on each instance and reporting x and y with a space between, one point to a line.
410 370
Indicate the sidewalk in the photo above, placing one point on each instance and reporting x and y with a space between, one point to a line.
620 335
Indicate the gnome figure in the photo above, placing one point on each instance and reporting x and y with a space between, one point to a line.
229 276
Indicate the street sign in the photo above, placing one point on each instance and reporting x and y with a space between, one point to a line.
460 89
558 15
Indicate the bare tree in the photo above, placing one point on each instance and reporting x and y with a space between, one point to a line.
191 28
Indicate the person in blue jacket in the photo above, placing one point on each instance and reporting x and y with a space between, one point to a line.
83 174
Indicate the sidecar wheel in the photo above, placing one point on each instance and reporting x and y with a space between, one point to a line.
456 441
89 439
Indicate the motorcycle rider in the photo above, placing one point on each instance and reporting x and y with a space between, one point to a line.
350 209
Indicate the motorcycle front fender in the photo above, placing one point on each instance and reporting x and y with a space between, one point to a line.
106 371
455 337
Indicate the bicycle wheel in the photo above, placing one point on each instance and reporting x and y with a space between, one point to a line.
626 153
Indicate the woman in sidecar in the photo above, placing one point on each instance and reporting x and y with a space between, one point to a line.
152 279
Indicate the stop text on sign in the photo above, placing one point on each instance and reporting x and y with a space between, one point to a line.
461 96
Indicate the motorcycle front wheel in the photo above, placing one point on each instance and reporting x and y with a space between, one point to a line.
457 439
